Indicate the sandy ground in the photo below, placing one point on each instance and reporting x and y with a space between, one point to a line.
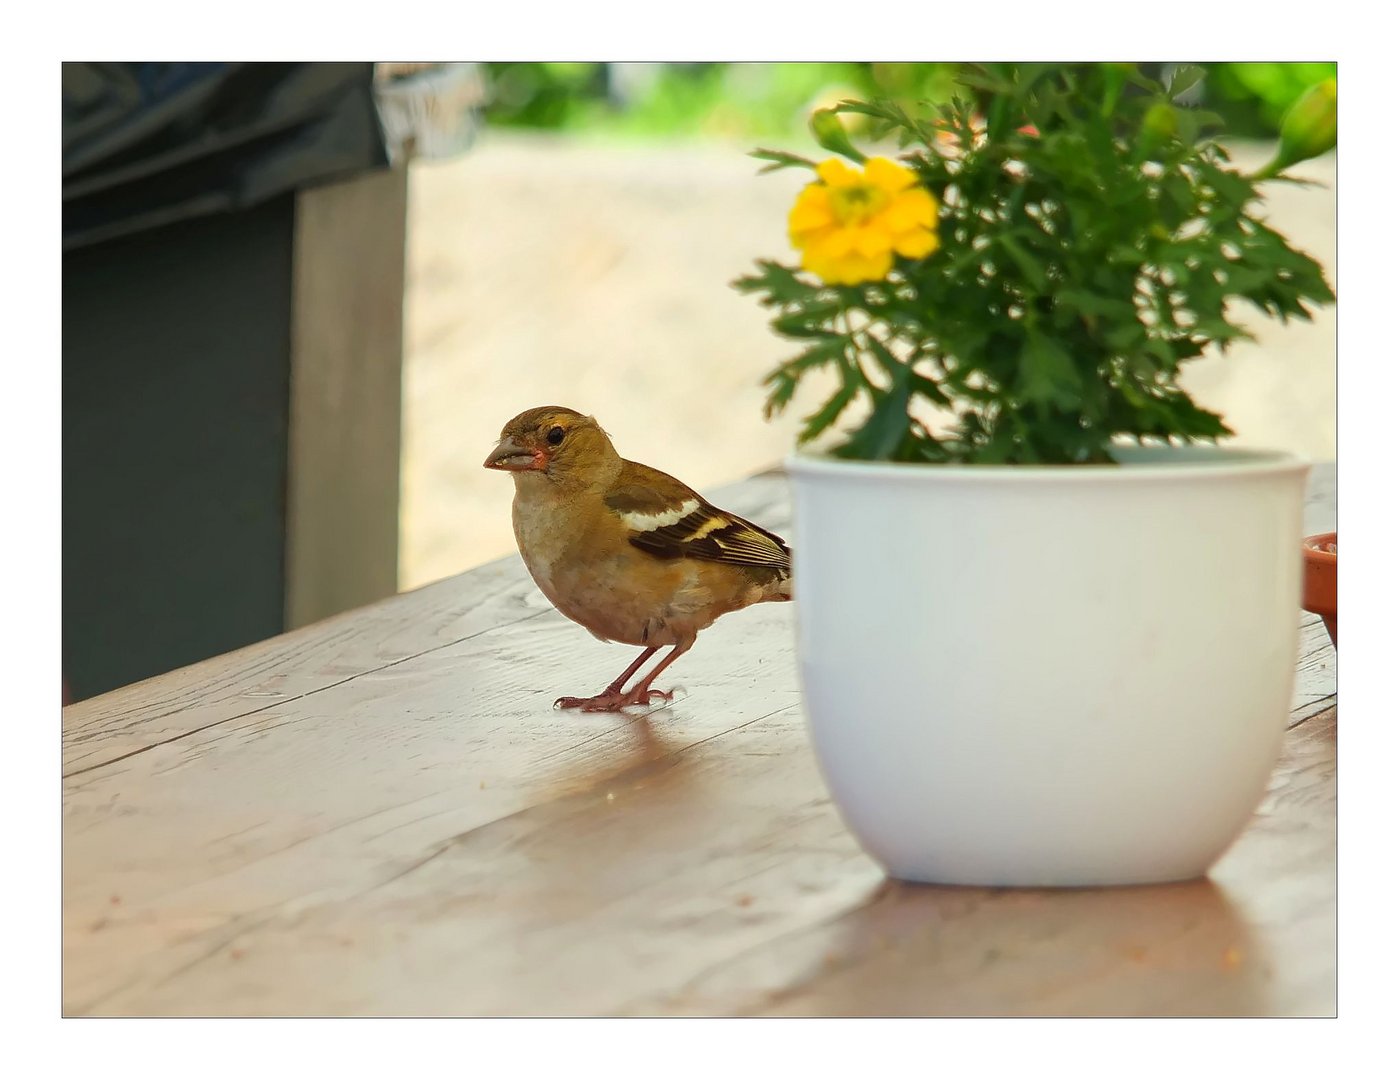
549 271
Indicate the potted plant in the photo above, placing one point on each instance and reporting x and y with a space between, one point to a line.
1047 628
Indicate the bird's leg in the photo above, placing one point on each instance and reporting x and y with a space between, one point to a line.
641 693
611 699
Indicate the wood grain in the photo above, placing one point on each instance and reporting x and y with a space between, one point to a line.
380 815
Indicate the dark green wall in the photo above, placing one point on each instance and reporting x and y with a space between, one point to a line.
176 354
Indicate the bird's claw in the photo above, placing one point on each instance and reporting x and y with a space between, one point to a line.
600 703
614 701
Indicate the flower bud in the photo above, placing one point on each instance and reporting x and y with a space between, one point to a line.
1308 128
830 133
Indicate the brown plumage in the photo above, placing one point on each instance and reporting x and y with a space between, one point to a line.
626 550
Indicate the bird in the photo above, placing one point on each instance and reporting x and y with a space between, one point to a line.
625 550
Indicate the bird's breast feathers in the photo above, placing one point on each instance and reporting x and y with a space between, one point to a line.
664 524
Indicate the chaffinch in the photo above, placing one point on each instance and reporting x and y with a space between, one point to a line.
629 552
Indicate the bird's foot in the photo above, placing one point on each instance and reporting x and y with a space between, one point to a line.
607 701
613 700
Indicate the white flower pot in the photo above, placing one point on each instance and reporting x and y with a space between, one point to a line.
1049 676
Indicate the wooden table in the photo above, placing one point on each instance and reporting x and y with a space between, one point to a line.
381 814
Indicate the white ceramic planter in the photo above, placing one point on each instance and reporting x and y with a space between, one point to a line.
1049 676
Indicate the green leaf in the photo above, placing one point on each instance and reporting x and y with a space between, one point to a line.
979 79
1234 189
887 360
1219 331
887 426
780 159
1162 351
1184 77
1096 304
1047 372
785 376
929 388
1187 124
1204 118
865 108
899 370
806 323
1031 268
823 352
781 283
772 276
784 385
830 412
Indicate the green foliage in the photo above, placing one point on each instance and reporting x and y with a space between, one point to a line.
545 95
1081 264
730 100
1253 97
762 101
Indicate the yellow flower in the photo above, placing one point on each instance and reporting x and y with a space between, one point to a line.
849 225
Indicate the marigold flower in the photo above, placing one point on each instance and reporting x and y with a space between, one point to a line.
849 224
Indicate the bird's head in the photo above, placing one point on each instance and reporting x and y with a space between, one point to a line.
558 442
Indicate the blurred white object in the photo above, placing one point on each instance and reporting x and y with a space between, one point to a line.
629 83
428 110
1049 676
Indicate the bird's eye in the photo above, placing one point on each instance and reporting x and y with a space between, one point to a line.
555 436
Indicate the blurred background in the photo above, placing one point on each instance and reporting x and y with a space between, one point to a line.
301 300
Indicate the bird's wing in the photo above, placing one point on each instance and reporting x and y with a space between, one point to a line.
666 518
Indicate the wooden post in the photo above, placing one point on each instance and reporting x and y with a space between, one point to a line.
346 395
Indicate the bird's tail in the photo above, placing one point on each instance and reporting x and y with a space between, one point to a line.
781 588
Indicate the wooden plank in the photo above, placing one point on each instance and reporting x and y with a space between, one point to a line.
346 395
678 865
380 815
1315 690
333 797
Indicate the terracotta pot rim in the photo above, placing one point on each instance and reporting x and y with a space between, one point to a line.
1314 547
1319 579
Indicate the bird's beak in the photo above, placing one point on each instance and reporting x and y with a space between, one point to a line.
510 456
